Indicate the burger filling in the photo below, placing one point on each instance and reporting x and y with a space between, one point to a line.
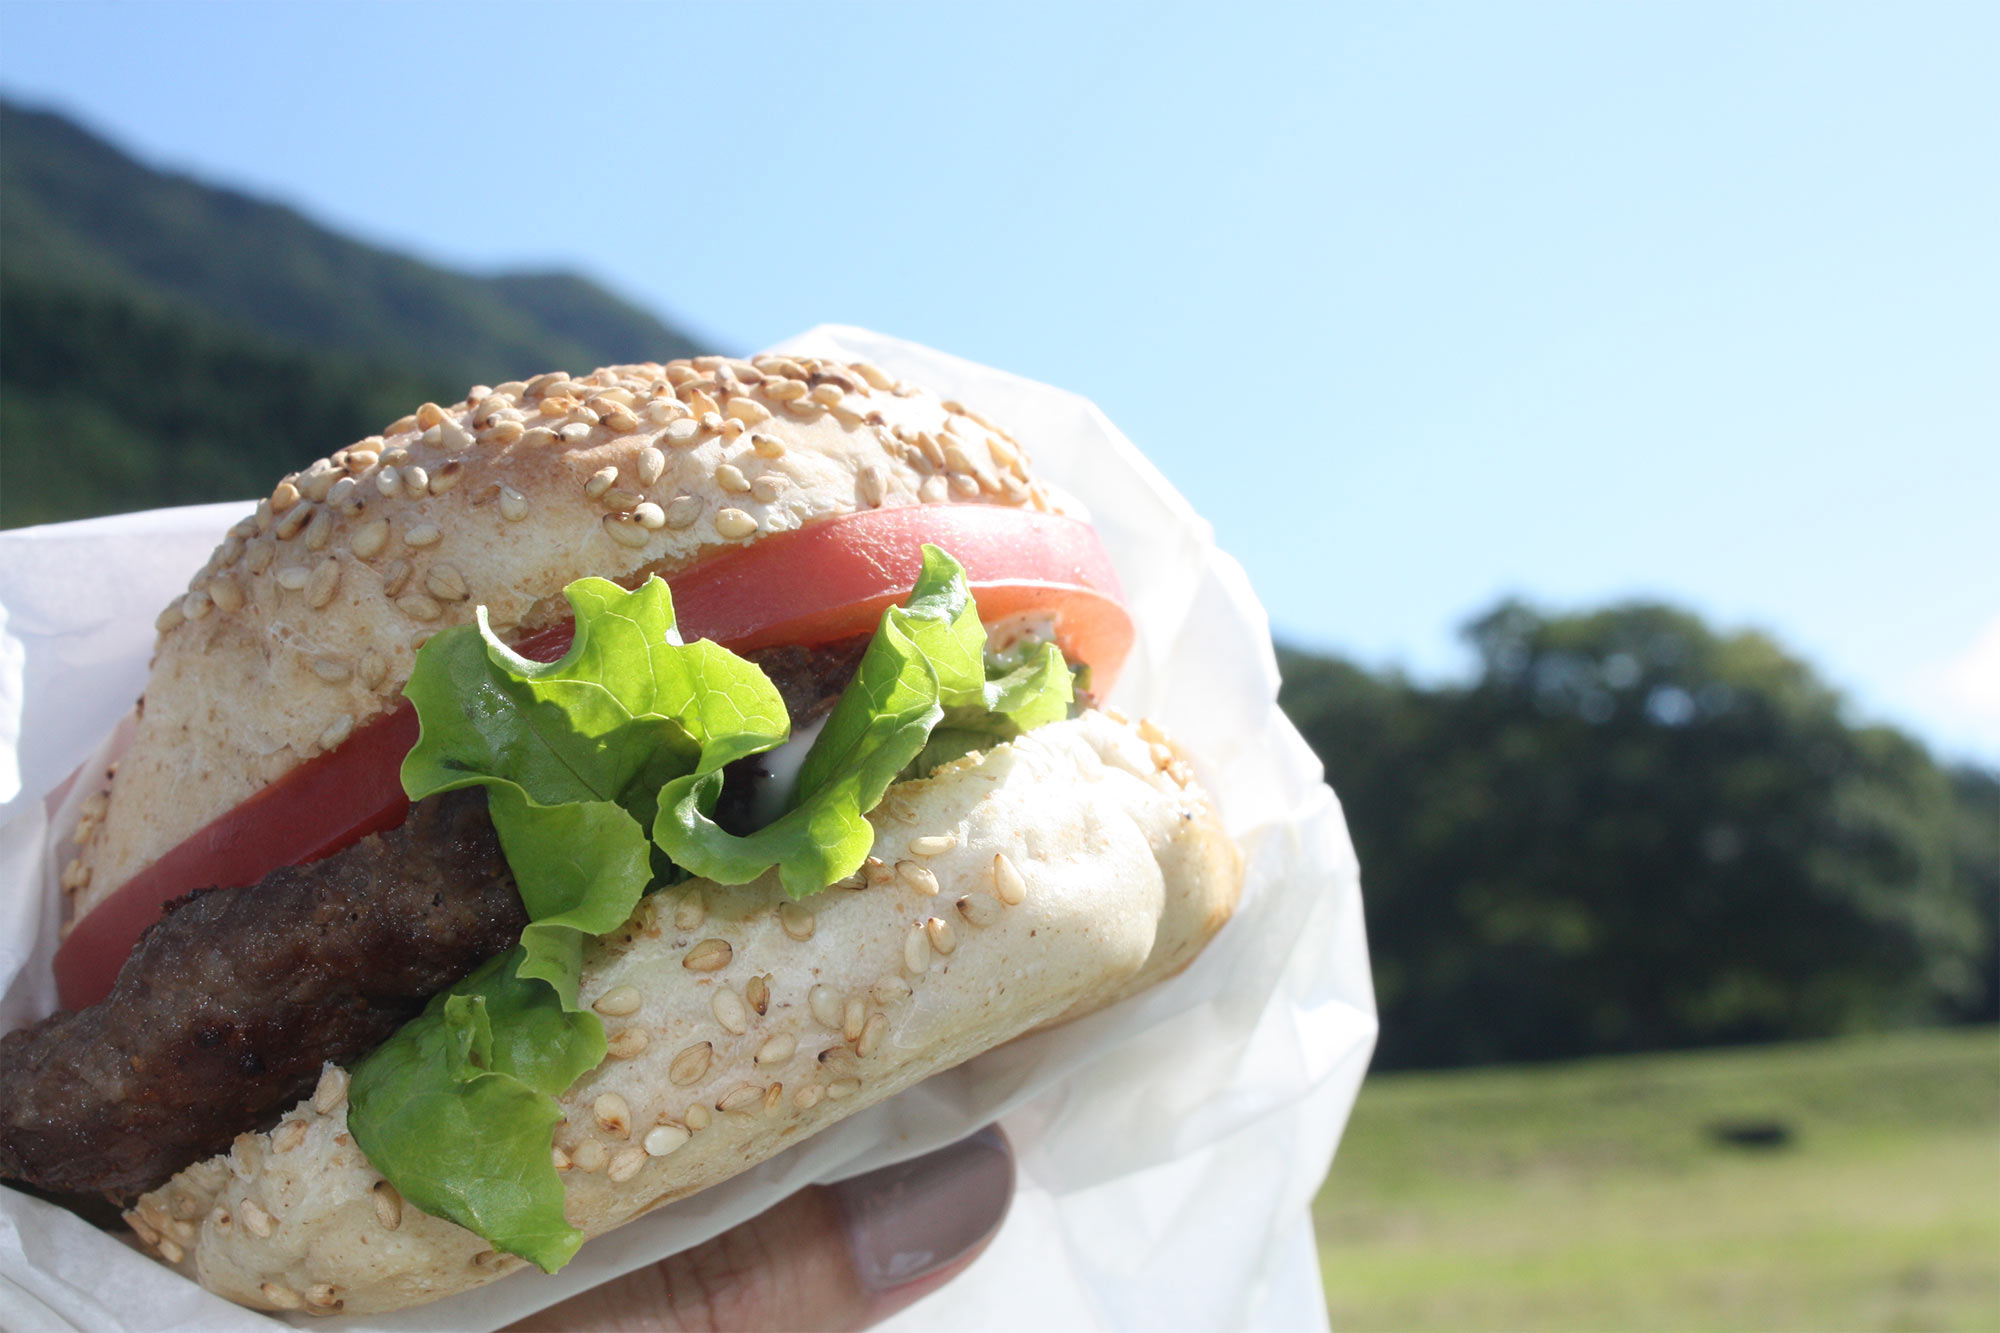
451 947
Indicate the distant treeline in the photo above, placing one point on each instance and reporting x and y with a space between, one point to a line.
1630 832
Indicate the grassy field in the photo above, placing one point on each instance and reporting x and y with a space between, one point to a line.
1838 1185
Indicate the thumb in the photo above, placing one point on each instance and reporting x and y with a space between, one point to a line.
840 1257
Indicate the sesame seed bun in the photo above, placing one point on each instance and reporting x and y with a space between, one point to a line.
305 622
1072 867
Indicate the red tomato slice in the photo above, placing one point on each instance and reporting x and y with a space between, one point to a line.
823 583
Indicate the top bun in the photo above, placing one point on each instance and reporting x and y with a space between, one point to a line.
304 623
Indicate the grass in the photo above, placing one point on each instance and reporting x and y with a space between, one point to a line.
1606 1194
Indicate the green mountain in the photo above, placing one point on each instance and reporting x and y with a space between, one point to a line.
163 341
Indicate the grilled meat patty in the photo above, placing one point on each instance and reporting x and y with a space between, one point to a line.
231 1002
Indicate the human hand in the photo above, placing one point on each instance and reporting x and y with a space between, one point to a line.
837 1257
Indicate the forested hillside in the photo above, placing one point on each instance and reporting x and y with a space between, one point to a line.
163 341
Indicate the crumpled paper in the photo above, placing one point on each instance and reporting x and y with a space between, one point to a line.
1168 1147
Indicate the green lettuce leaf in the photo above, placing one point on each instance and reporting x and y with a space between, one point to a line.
457 1110
926 663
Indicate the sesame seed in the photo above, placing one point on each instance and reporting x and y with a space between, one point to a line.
649 466
369 539
255 1219
513 505
767 487
625 530
320 530
841 1089
933 844
257 556
979 909
691 1064
767 446
916 950
628 1042
445 583
504 432
964 486
942 937
733 523
171 618
318 480
913 876
540 384
331 670
649 516
537 437
324 1295
422 535
293 520
332 1089
748 411
282 1297
374 669
870 484
284 497
710 422
876 379
621 498
590 1156
797 920
741 1099
690 911
729 1011
341 728
619 1002
197 604
395 577
289 1136
600 481
852 1017
757 991
416 482
697 1117
808 1097
419 606
702 405
663 1139
225 594
559 1159
1007 881
825 1004
388 481
711 955
777 1049
890 989
430 414
612 1114
932 490
683 432
323 583
871 1035
341 493
876 872
826 395
683 510
783 390
730 478
772 1096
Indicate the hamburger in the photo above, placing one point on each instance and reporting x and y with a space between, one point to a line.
574 795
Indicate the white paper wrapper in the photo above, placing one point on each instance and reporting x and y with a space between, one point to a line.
1168 1148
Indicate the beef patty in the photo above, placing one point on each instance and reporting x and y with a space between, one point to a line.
231 1002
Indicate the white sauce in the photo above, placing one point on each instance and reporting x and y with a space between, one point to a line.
780 772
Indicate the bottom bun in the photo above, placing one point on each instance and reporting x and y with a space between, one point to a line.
1022 886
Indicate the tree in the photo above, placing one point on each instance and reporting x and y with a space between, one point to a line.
1630 832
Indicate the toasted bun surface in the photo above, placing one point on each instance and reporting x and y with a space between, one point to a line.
1073 867
305 622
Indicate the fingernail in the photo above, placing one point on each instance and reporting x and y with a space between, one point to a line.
911 1219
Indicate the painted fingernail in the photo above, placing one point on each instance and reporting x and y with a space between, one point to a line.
912 1219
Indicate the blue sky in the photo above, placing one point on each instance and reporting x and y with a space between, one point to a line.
1421 304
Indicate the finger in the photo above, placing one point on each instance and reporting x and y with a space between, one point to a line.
835 1258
